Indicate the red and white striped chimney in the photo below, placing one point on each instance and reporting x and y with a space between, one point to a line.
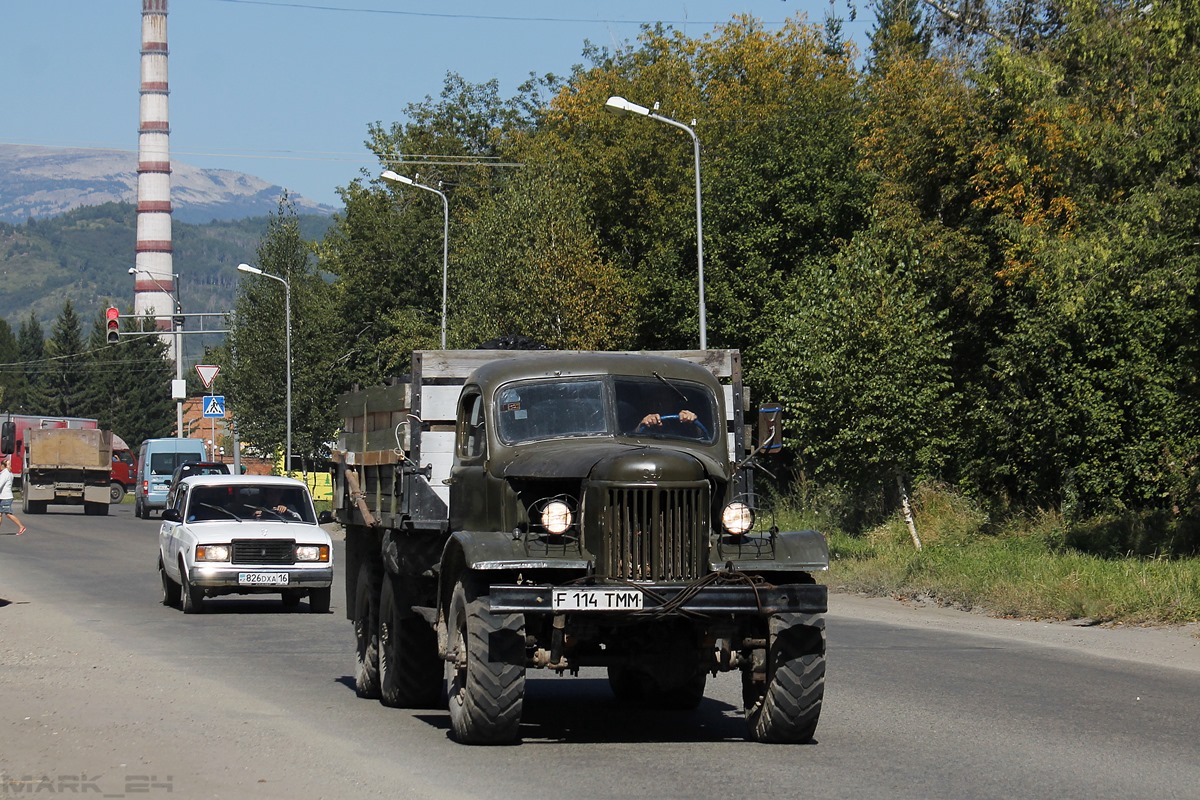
154 280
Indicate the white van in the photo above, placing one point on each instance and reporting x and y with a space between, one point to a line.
157 460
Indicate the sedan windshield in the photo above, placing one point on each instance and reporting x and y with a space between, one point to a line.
245 502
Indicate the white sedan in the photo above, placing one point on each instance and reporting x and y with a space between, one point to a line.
243 534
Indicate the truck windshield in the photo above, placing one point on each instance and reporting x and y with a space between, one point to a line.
666 408
644 407
530 411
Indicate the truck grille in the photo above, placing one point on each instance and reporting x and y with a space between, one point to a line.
655 534
271 551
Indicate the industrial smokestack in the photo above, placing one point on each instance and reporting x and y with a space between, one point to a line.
155 292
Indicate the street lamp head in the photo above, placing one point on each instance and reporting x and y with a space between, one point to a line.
619 105
389 175
250 269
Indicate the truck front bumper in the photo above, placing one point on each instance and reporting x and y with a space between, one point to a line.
659 599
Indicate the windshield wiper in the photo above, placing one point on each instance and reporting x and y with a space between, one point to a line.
672 386
222 509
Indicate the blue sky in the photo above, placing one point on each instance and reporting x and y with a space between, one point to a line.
284 89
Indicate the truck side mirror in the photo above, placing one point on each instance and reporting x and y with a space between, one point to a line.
770 429
8 437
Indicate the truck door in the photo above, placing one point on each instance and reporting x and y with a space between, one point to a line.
468 475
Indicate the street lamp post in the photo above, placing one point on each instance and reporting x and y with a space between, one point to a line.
393 177
619 105
176 322
287 314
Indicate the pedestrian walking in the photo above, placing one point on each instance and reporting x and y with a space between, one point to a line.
6 494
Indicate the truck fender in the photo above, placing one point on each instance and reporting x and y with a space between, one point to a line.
806 550
795 551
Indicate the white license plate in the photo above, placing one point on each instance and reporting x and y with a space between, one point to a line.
596 598
262 578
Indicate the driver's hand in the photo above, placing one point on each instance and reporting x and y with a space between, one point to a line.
687 416
652 420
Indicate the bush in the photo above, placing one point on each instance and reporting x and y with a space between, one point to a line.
1145 533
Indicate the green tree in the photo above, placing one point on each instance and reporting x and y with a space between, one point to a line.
64 380
861 363
10 373
129 382
257 382
31 351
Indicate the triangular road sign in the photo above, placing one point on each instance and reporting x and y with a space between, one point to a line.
208 373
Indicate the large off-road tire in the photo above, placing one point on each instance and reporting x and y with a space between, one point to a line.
485 678
190 597
410 671
116 492
318 600
170 589
787 707
366 634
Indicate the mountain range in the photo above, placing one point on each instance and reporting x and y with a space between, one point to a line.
38 182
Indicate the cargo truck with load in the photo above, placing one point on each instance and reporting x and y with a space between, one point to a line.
512 510
67 466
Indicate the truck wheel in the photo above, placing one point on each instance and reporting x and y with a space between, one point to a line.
116 492
95 509
318 600
485 679
787 706
190 597
170 589
410 671
366 634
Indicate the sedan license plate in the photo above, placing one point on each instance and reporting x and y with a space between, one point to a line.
595 598
263 578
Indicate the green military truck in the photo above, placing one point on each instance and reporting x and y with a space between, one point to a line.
516 510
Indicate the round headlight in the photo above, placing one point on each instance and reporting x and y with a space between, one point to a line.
557 517
737 518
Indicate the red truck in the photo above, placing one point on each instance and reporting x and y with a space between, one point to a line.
12 442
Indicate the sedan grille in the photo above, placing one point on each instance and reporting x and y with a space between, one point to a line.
263 551
655 534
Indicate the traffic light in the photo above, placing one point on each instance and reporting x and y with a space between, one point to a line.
113 316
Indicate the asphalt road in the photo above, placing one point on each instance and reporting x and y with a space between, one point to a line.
105 692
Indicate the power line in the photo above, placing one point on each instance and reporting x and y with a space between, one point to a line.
487 17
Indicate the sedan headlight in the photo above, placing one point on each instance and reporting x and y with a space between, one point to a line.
737 518
212 552
557 517
312 552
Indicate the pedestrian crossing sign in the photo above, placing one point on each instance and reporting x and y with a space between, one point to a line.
214 405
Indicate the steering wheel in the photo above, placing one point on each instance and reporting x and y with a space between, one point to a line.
675 418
